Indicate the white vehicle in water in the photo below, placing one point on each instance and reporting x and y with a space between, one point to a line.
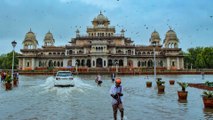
64 79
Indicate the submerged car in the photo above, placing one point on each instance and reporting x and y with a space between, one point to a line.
64 79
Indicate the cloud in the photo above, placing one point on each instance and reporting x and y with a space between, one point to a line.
103 4
12 2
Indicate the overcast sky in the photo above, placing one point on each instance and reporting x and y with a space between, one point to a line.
192 20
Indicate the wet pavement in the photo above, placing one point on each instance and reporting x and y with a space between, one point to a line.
37 99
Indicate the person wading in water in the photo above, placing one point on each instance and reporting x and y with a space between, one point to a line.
113 77
98 80
116 93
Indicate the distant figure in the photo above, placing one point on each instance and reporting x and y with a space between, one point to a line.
116 93
98 80
15 76
3 76
113 77
203 75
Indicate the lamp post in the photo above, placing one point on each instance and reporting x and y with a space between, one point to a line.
154 63
14 45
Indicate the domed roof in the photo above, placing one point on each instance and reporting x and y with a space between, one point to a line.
170 33
101 18
48 36
171 36
155 34
30 36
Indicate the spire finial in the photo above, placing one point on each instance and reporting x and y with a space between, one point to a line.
100 12
30 30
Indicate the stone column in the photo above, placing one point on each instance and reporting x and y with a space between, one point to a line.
182 63
168 63
23 64
93 59
65 62
178 63
73 61
107 62
125 61
33 64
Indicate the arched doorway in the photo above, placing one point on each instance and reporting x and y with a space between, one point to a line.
109 63
99 62
130 63
50 64
121 63
88 63
150 63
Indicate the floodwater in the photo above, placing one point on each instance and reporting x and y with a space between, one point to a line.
36 99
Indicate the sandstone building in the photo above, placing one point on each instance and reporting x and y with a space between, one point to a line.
101 47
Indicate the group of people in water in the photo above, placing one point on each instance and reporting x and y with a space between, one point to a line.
6 75
116 92
99 81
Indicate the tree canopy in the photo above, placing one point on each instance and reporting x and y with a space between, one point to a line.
6 60
199 57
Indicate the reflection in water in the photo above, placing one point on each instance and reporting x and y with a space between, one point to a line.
208 113
37 98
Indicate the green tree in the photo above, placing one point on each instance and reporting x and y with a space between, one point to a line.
208 56
6 60
199 57
200 63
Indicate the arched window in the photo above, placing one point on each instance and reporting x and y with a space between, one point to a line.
70 52
58 64
88 62
82 62
54 63
109 62
121 63
40 64
139 63
62 64
78 62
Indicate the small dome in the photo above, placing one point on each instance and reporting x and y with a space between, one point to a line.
48 36
30 36
48 39
155 38
170 37
30 41
155 35
171 34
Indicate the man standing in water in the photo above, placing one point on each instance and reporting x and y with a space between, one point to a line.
116 93
113 77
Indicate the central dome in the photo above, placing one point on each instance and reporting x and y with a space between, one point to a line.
100 19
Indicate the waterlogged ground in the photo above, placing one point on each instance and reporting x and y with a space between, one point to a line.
36 99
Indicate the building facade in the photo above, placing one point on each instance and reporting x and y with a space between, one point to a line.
101 47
